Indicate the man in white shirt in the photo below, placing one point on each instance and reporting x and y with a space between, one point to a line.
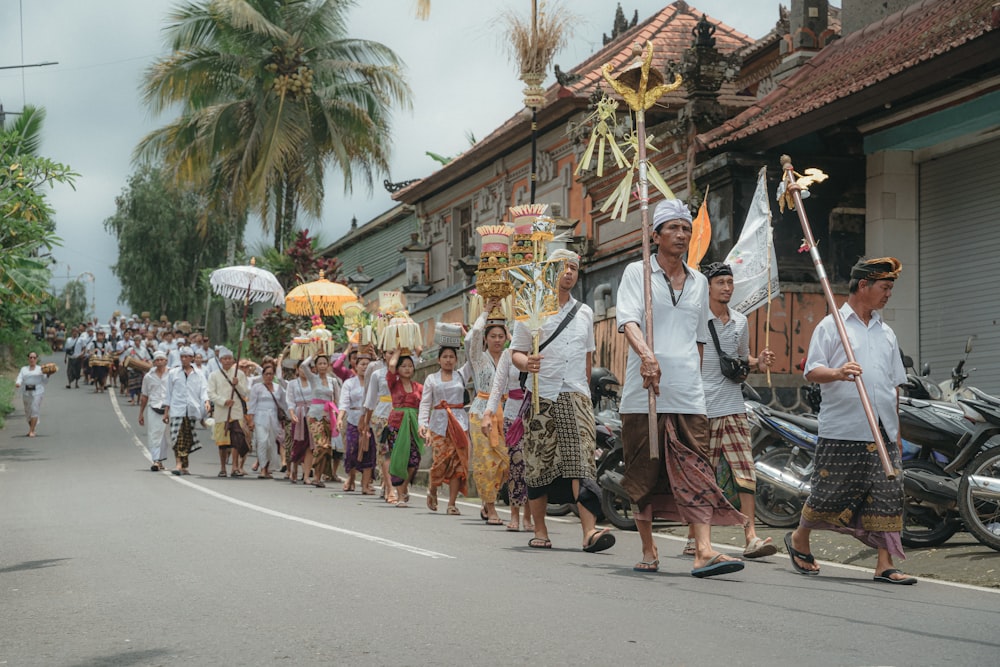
154 399
679 483
80 355
850 492
72 364
228 390
187 403
559 439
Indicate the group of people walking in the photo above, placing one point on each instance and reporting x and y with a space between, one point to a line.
365 409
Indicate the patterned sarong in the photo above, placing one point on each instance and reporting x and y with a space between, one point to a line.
183 437
517 490
729 439
451 455
559 441
354 458
851 494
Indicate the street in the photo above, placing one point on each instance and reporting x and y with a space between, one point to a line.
103 562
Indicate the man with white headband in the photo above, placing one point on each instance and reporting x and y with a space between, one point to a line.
187 404
154 398
679 484
559 439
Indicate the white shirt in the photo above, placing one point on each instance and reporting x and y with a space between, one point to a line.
352 398
841 415
506 379
437 390
677 330
483 367
723 396
564 368
376 386
186 393
155 387
220 390
31 376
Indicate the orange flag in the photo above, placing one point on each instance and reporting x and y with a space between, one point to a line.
701 236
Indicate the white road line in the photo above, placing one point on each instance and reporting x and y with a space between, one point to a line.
264 510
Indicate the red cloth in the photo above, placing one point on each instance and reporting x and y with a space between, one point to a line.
401 398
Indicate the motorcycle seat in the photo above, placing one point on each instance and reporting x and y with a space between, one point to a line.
808 422
989 411
984 397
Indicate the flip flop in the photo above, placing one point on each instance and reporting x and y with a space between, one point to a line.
759 548
647 566
599 541
540 543
716 567
494 522
886 578
794 553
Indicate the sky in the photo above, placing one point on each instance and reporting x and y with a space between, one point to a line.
456 65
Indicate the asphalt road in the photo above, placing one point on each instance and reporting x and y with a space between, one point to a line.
104 563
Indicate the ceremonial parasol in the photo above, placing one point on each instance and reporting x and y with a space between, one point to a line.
250 283
319 297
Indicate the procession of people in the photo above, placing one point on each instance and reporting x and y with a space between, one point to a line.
476 419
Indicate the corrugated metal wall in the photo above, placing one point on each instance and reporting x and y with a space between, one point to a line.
959 250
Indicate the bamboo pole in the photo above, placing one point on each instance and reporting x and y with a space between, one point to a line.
647 273
794 189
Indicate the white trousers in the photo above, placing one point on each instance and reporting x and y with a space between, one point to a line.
156 435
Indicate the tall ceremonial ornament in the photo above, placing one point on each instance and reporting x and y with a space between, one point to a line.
252 284
532 276
790 194
640 85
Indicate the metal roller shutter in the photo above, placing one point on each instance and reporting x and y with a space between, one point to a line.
959 256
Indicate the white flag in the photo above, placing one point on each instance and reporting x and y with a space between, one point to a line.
752 258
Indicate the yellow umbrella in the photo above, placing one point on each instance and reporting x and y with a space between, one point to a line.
320 297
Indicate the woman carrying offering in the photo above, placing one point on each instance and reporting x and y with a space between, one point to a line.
404 441
445 425
298 397
378 407
490 458
507 383
322 415
358 455
31 381
266 402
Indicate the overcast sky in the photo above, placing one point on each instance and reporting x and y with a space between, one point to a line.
456 66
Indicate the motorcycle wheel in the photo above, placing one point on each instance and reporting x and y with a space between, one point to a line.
981 515
616 509
773 506
923 524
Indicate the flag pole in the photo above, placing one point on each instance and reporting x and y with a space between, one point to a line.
794 189
767 316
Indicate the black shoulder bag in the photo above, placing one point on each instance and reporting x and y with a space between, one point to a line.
559 329
734 368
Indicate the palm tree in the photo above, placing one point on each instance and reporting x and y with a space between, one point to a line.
271 92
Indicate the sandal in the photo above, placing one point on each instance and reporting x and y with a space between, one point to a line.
452 510
759 548
495 521
513 527
599 540
689 548
540 543
432 500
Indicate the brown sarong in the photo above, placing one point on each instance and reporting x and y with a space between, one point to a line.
238 437
680 485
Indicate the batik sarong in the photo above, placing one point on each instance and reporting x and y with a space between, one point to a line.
183 437
354 458
851 494
490 459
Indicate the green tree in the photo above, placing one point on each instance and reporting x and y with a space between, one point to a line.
70 305
27 223
270 92
161 250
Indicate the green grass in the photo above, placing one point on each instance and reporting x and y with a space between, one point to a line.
6 399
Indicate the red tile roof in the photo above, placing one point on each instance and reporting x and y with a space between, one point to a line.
670 30
863 59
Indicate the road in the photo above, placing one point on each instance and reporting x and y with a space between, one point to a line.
103 562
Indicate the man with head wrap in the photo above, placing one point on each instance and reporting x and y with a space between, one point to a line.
154 398
228 390
559 439
678 484
850 492
187 403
